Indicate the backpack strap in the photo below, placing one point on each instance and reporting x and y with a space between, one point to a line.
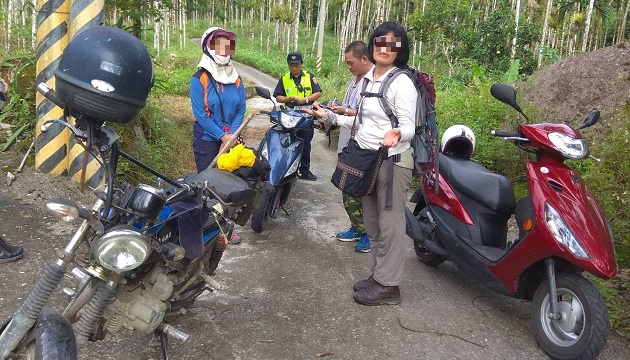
389 194
205 79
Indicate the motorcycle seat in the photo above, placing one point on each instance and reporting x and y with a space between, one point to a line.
475 181
227 186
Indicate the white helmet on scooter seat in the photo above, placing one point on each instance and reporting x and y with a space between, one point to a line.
458 140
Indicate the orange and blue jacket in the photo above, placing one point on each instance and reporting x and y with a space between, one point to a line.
206 106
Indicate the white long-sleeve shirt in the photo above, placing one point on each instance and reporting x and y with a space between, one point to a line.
402 98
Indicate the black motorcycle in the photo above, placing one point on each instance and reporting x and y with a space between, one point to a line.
141 254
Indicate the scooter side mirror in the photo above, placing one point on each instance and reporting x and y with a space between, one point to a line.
506 94
263 92
590 120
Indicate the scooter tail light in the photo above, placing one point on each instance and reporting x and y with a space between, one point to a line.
562 233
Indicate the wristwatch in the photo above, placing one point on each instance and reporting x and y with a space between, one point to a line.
346 112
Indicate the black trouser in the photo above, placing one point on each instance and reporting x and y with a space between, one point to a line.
205 151
307 136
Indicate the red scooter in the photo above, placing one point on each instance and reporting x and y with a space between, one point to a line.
462 216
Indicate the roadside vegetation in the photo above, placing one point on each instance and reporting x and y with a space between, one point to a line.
463 67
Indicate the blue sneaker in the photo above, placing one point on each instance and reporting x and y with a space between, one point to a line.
351 235
363 246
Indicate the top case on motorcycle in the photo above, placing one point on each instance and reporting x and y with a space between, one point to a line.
227 186
476 182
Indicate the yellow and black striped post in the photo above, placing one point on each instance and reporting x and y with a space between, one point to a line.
83 167
52 37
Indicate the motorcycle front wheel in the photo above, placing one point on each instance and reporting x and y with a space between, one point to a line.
582 330
52 338
260 215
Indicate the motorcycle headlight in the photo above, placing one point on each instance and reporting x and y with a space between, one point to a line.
289 120
121 249
562 233
569 147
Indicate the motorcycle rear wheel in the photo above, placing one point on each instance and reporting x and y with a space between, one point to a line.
582 331
426 256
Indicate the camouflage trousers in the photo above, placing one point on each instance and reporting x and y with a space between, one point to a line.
354 209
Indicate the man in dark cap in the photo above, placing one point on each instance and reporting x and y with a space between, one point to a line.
299 88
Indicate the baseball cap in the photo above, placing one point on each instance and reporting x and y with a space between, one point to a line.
294 57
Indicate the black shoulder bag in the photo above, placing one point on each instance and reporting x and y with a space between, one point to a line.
357 169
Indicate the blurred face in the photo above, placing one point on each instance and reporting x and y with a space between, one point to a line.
386 49
295 69
358 67
223 46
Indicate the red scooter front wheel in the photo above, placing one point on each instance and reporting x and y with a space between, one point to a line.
582 330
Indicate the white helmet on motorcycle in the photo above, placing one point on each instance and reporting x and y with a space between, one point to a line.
458 140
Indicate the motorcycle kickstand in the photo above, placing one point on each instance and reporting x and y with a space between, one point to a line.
553 295
285 210
162 337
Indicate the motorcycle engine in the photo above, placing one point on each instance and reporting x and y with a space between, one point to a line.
142 307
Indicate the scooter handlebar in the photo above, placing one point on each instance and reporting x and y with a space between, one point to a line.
504 134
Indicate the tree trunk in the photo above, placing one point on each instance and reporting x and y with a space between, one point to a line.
320 36
296 27
622 28
517 18
545 30
589 15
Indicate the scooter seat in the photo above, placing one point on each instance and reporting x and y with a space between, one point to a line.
475 181
227 186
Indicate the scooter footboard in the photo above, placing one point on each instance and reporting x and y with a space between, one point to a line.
473 259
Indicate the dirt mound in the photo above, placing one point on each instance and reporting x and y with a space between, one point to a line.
569 89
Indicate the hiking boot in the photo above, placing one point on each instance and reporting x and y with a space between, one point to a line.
8 252
363 246
349 235
307 175
377 294
363 284
235 239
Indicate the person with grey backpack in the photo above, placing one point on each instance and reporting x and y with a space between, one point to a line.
384 207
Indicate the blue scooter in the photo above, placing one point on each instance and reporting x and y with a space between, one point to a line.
282 148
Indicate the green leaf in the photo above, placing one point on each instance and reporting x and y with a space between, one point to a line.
512 74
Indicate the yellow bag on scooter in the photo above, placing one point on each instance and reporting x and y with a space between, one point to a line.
235 158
